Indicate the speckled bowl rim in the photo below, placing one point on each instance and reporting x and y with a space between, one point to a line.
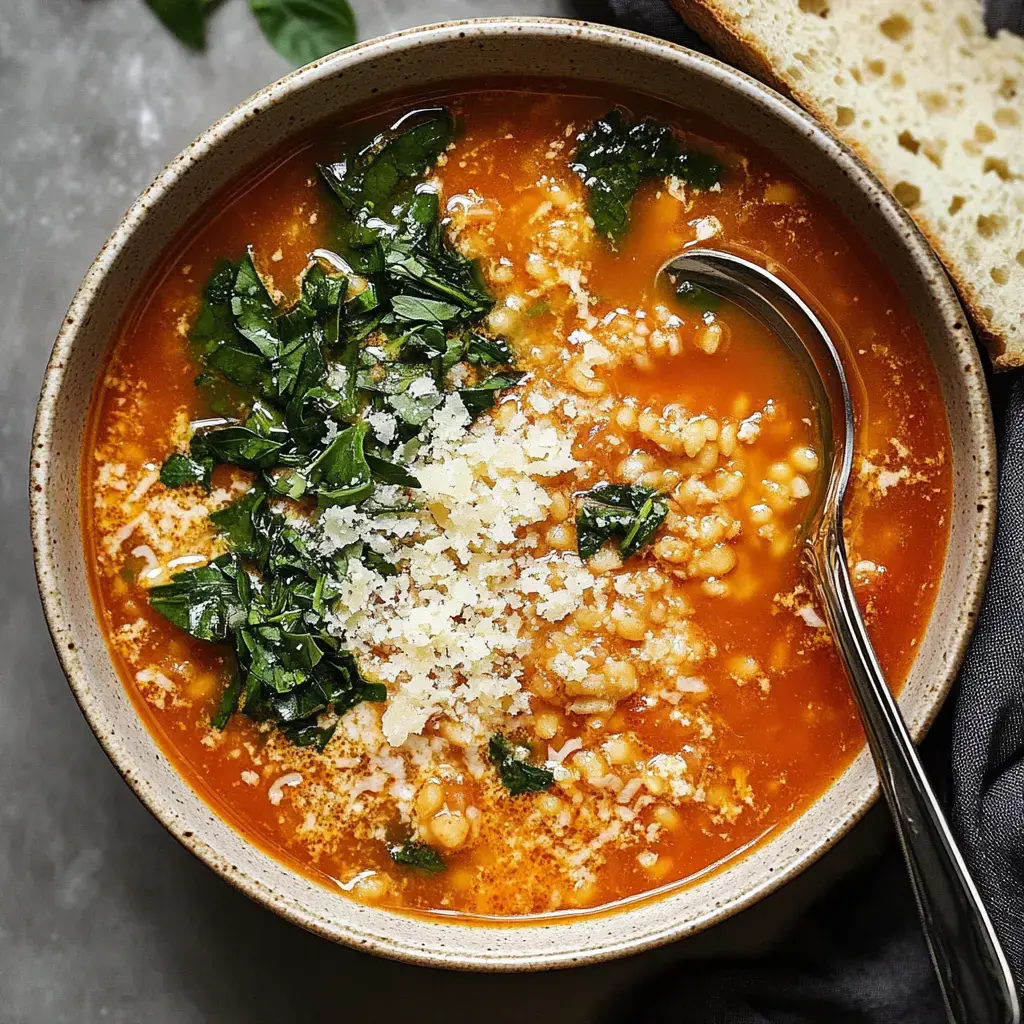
390 941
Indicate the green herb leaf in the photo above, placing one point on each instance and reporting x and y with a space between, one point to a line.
180 470
484 351
341 474
239 446
414 854
205 601
613 157
309 734
302 31
482 396
185 18
628 511
517 774
428 311
243 524
228 701
254 310
390 472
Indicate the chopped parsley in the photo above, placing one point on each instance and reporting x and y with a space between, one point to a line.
373 337
627 511
517 774
614 156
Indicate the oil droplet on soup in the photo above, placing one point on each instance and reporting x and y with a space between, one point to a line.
562 728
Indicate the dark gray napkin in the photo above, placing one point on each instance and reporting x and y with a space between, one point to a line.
857 957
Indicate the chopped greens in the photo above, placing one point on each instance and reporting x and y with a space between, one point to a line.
614 156
181 470
414 854
326 400
627 511
518 776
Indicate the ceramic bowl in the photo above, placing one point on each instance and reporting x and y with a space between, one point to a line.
355 77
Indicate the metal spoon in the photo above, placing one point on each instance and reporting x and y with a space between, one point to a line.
971 968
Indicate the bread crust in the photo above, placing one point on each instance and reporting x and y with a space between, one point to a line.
741 49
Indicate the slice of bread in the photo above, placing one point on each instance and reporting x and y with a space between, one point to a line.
930 101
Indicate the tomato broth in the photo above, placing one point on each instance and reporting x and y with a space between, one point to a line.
561 729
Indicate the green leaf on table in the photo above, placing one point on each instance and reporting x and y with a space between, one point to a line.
628 511
185 18
302 31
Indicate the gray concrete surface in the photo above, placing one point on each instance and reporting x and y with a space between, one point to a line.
102 916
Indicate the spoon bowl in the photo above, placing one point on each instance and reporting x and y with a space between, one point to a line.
970 965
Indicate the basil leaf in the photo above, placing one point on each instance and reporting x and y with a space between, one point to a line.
185 18
628 511
302 31
414 854
517 775
180 470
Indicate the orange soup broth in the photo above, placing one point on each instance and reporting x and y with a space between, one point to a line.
793 738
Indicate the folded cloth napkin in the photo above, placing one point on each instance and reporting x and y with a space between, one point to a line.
858 955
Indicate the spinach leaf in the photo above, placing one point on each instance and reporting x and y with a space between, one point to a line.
185 18
304 30
306 733
484 351
517 774
205 602
390 472
627 511
228 701
341 474
428 311
254 310
244 524
614 157
369 177
482 396
414 854
180 470
237 445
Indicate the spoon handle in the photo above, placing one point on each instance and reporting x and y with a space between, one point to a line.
972 970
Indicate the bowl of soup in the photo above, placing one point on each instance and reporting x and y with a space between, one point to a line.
429 566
